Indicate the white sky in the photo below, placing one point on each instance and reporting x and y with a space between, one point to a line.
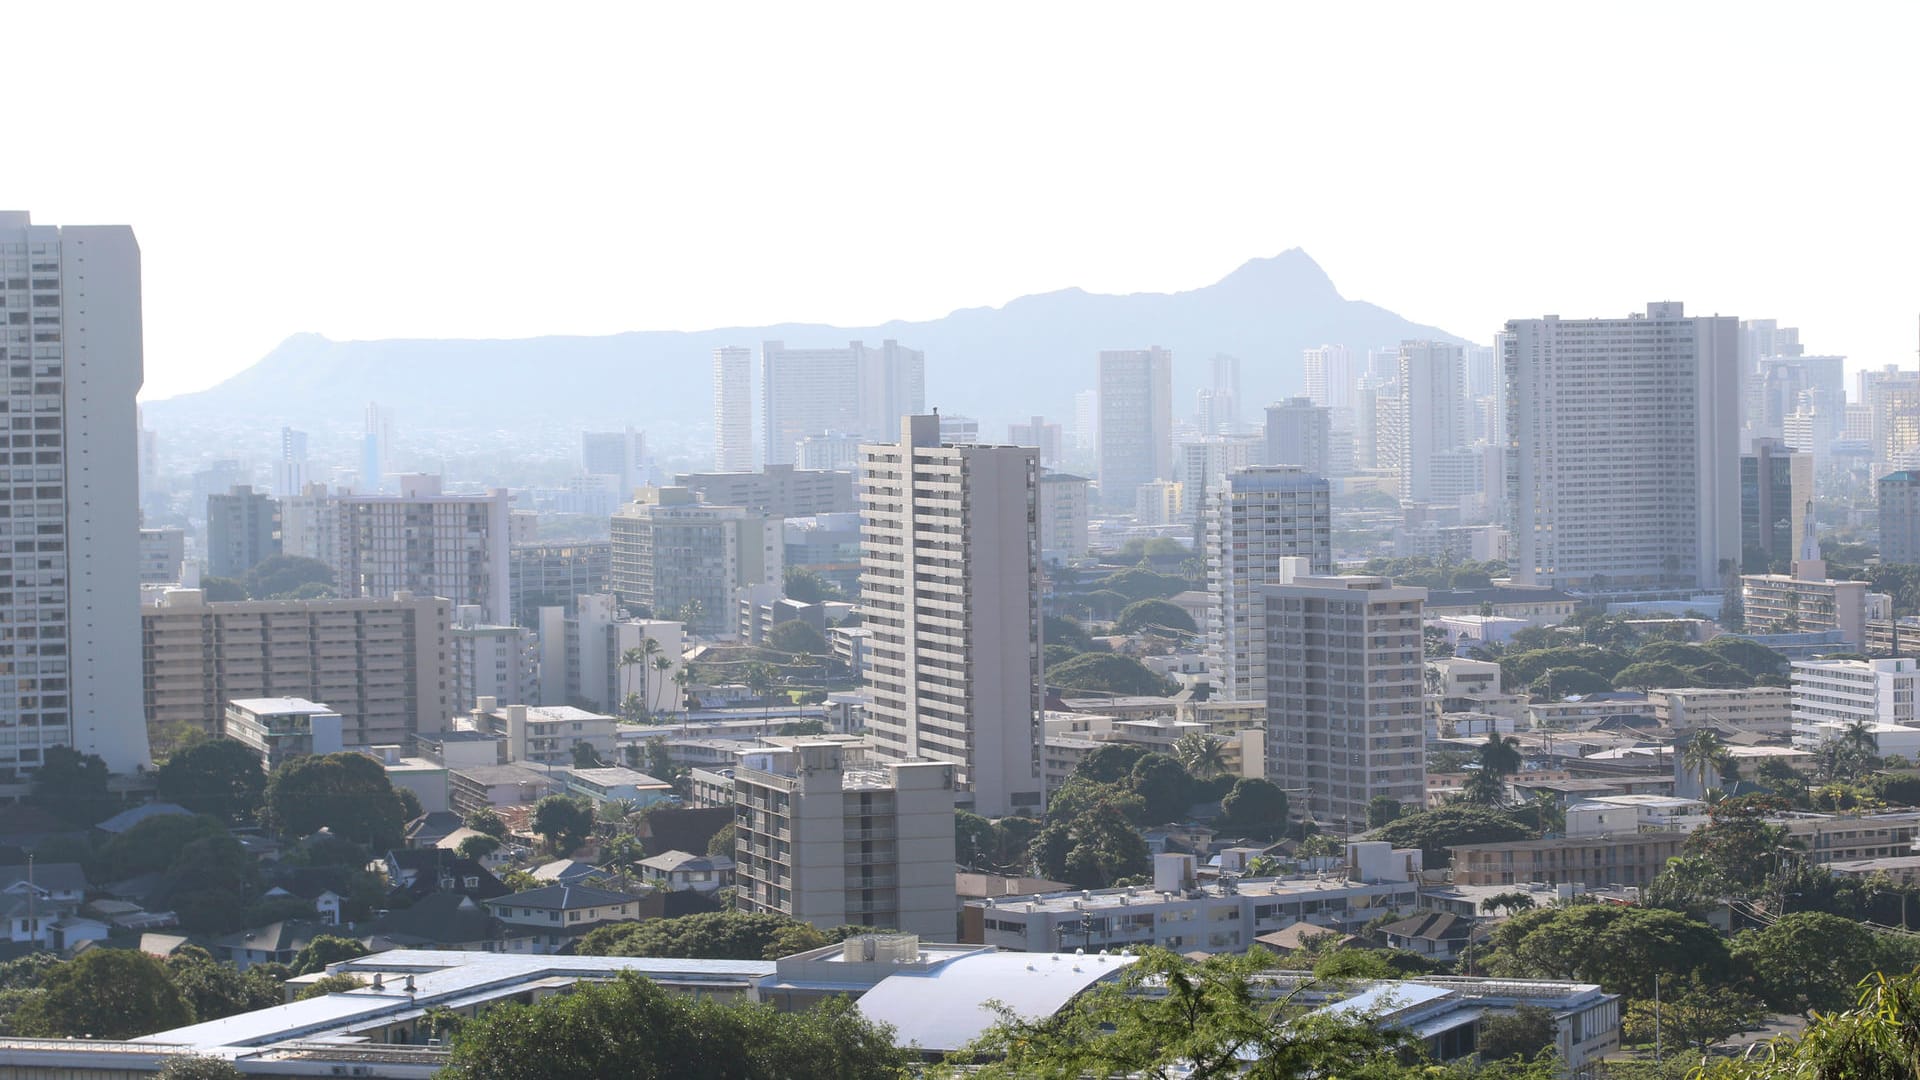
430 170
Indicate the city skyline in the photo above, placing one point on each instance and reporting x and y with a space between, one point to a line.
428 213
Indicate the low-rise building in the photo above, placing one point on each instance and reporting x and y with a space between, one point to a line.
1179 912
1595 861
278 730
1850 691
544 734
678 871
1764 709
547 919
823 836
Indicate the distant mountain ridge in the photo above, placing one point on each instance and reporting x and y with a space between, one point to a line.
1027 356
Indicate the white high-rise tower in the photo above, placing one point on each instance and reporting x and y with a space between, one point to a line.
1623 452
950 585
733 409
72 347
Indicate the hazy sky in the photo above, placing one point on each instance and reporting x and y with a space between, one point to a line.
470 171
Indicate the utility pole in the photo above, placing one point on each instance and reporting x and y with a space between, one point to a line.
1656 1019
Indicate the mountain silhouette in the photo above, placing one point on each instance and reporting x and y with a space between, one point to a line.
1027 356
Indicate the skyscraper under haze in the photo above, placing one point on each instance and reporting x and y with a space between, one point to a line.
1136 421
732 409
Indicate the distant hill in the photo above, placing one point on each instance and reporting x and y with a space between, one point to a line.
1030 355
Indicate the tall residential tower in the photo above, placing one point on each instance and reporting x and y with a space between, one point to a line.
71 343
732 409
1136 421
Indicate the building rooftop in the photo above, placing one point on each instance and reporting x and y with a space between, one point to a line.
563 897
949 1005
280 706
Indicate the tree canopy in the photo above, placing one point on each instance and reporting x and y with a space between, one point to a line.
720 935
1254 808
105 994
1434 831
1621 948
563 822
794 636
1106 673
348 794
630 1027
1154 616
288 577
214 776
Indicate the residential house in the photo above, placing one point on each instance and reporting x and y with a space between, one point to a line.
1436 935
420 872
274 943
34 897
675 871
548 919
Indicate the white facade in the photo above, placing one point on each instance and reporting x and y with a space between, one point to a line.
1200 465
621 455
72 345
1157 502
1433 398
1853 691
419 541
733 409
1256 518
1623 466
675 556
581 657
1064 516
1299 433
1135 422
491 660
950 586
856 389
1330 376
1344 693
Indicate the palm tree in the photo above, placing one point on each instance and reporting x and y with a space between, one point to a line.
1703 755
1499 755
649 648
1202 754
633 658
1858 749
1512 901
760 681
681 680
662 664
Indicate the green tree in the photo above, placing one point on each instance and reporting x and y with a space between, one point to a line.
211 883
1877 1039
486 820
1434 831
1206 1019
1163 784
1688 884
723 841
1137 584
1512 902
1527 1032
105 994
1382 809
199 1067
339 982
153 846
805 586
1078 795
1621 948
630 1027
724 935
1201 754
1060 630
346 793
214 990
280 576
219 590
1694 1012
1154 616
1093 850
220 777
1558 683
1807 960
72 786
974 841
564 823
1106 673
1644 677
804 727
798 638
1111 763
1737 843
1254 808
1704 755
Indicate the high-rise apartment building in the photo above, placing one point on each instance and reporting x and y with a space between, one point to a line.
1776 487
733 409
1200 464
832 840
554 574
829 451
859 389
1064 516
1223 400
243 530
290 468
1298 432
376 449
1038 433
419 541
780 491
584 654
1086 420
682 559
385 665
1433 403
492 660
1900 517
1893 409
1623 460
1329 376
950 586
163 555
71 346
1345 681
1256 519
1136 421
618 454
